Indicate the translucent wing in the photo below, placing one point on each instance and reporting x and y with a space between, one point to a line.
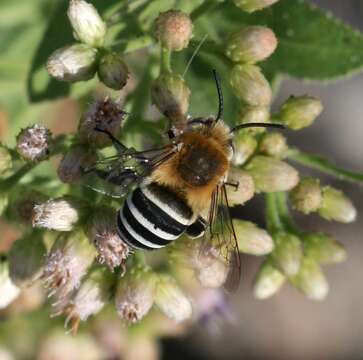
221 234
116 175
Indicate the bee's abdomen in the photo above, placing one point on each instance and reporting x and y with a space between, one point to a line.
197 229
152 217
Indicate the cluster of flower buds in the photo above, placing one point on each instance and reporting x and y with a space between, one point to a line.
81 61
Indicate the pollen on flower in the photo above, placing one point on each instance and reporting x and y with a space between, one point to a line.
33 143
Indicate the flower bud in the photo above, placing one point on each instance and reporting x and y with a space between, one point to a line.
253 5
103 234
113 71
171 95
74 160
173 29
5 354
287 254
73 63
273 144
171 300
245 145
251 44
56 214
26 258
323 248
336 206
242 187
251 239
90 298
268 281
306 197
5 159
271 175
67 262
253 114
299 112
24 203
311 280
214 275
250 86
8 290
135 294
104 114
86 22
33 143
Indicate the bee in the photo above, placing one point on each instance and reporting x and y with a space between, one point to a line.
179 188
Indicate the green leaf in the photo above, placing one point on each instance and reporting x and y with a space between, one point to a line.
312 43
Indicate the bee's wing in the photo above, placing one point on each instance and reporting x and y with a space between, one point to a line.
116 175
220 232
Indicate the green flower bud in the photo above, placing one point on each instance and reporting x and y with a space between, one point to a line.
87 24
171 95
113 71
273 144
253 5
245 145
171 300
336 206
251 44
135 294
311 280
33 143
268 281
253 114
306 196
250 86
251 239
73 63
287 254
5 159
323 248
8 290
26 258
242 187
299 112
271 175
173 29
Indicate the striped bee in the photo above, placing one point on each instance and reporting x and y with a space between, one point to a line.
178 189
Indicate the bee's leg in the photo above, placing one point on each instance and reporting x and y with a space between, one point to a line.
234 184
197 229
120 147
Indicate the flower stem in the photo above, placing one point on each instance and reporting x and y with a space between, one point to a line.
165 61
203 8
320 163
273 221
284 213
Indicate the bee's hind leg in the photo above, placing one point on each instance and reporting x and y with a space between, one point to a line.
119 146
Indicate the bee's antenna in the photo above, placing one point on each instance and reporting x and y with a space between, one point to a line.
265 125
220 95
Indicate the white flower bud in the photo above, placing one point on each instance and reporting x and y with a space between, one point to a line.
33 143
5 354
311 280
242 187
87 24
171 300
307 195
104 114
253 5
73 63
251 239
337 206
113 71
251 44
271 175
8 290
288 253
173 29
57 214
253 114
245 145
250 86
268 281
135 294
273 144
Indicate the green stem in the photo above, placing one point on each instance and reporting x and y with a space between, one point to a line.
165 61
284 213
319 163
203 8
273 220
130 45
